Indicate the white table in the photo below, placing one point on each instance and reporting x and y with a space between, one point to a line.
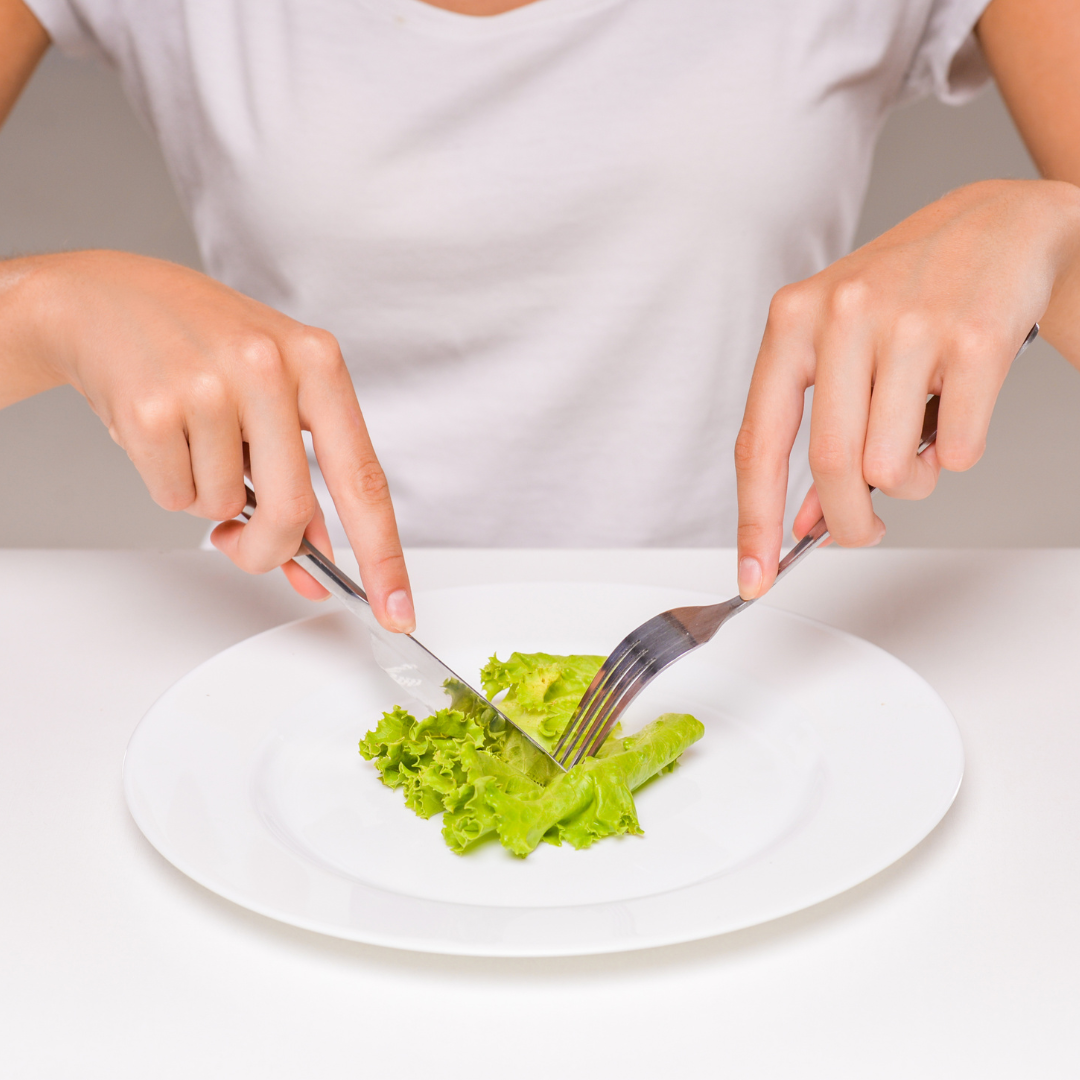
962 960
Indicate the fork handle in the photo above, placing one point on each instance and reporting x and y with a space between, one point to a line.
819 533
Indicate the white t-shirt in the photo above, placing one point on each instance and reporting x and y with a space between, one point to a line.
546 240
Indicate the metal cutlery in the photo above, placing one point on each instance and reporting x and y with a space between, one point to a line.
667 637
413 667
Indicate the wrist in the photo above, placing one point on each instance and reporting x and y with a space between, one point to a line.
27 363
1060 323
1062 201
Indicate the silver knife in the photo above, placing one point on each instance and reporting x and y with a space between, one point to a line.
414 668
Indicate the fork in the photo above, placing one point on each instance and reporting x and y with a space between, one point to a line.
667 637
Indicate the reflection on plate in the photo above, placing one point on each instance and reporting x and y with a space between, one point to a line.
824 760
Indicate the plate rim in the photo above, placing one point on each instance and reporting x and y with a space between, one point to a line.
152 831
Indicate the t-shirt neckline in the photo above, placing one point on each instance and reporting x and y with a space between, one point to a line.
419 15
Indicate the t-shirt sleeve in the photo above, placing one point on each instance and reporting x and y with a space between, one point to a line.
948 61
67 25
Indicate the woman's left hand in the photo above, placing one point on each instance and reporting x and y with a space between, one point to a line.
940 304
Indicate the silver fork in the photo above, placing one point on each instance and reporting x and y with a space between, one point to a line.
665 638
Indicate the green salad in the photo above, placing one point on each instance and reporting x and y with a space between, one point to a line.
488 782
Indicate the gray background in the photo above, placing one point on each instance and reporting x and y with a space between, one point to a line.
78 170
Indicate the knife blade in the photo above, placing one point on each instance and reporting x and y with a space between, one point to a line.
415 668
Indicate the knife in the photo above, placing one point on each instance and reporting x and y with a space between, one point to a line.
414 668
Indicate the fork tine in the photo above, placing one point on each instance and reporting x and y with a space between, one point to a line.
590 728
601 725
586 712
593 719
602 704
615 709
607 679
593 694
634 675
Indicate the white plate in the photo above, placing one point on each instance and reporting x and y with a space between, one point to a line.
824 760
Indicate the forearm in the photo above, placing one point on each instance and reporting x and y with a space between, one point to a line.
23 42
1032 48
25 366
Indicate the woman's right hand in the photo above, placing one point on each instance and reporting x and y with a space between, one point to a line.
196 381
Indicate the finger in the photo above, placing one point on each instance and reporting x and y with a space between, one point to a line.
891 461
773 412
838 435
303 583
809 514
152 435
297 576
972 379
226 538
356 482
217 459
279 474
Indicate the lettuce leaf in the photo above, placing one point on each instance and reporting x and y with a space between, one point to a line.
591 801
543 690
494 783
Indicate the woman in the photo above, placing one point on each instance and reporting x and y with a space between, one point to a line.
541 240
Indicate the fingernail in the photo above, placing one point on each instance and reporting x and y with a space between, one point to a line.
399 610
749 577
